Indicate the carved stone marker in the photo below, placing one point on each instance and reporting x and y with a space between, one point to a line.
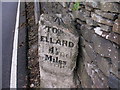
58 49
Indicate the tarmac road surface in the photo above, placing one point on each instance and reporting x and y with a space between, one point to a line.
9 11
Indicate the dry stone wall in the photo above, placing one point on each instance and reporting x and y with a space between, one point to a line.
100 44
98 25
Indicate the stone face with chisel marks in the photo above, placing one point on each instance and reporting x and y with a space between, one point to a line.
111 7
58 46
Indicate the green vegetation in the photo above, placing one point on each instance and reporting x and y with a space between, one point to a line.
76 6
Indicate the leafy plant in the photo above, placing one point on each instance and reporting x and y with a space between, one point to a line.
76 6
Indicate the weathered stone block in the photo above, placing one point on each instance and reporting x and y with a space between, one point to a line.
119 17
86 80
80 65
50 80
80 14
87 32
111 7
91 22
103 64
99 80
67 19
102 76
90 51
93 72
93 4
108 15
105 28
64 4
114 38
82 42
114 69
102 20
71 4
86 57
114 82
110 36
52 8
106 49
88 8
87 13
78 21
58 49
116 26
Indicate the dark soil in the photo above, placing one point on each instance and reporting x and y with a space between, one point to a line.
33 64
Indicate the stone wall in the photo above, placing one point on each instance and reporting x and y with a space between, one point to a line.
98 25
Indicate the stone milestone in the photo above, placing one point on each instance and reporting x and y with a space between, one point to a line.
58 49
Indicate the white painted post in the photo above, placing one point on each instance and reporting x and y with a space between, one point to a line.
36 10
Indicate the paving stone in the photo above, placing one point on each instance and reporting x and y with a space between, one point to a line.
101 20
116 26
111 7
107 15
